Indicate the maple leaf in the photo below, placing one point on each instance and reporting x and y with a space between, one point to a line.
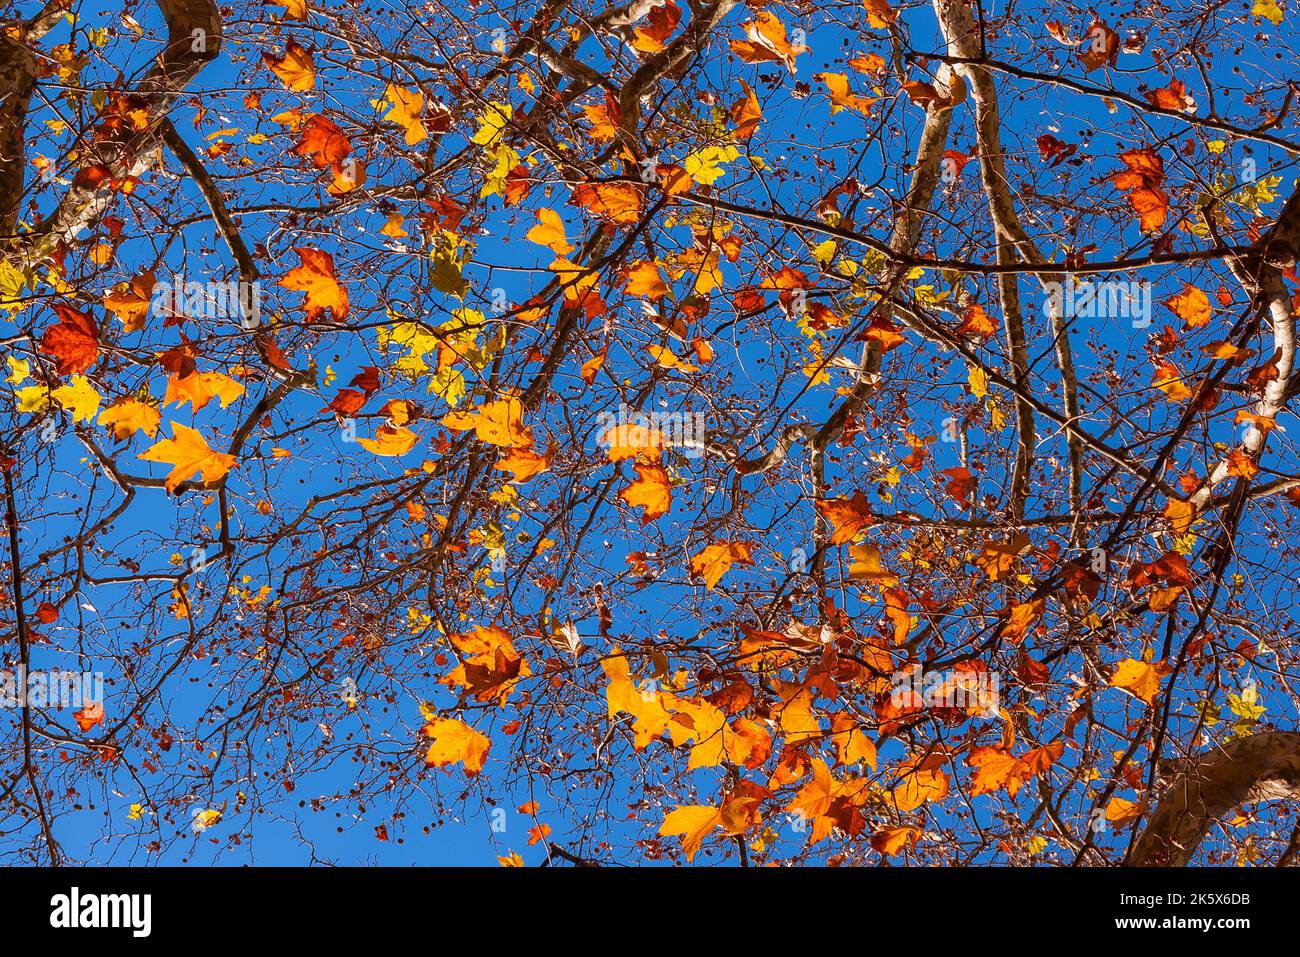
767 42
605 119
316 277
523 464
867 564
390 440
1020 617
651 491
1140 678
848 516
200 388
645 704
851 745
1172 97
667 359
631 440
644 279
499 422
891 840
746 114
73 340
296 68
188 452
130 302
129 416
616 202
661 22
1141 183
78 397
693 823
976 322
454 742
712 563
918 785
961 483
841 99
408 105
323 142
549 232
1268 10
90 715
1191 305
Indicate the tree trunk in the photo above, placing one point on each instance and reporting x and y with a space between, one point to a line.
1256 768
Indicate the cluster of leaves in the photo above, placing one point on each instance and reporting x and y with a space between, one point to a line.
698 385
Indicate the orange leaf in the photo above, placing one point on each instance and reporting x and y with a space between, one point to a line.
454 741
848 516
189 454
1191 305
73 340
296 68
317 279
712 563
651 491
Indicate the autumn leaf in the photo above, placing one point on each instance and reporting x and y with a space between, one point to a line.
1141 183
693 823
73 340
650 491
323 142
1140 678
189 454
316 277
296 68
746 113
390 440
837 85
499 422
78 397
90 715
407 107
131 302
961 483
523 464
766 42
645 704
129 416
549 232
712 563
615 202
1191 305
200 388
455 742
848 516
644 279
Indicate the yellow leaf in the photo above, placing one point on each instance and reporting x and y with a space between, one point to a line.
499 422
692 822
712 563
1268 10
454 741
390 440
190 455
549 232
407 107
1139 678
78 397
